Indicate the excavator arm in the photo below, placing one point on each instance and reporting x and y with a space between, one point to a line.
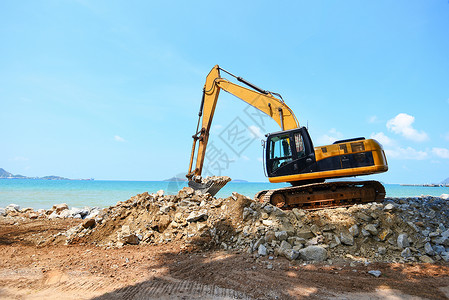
263 100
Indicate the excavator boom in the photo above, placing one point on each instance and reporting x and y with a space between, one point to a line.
258 98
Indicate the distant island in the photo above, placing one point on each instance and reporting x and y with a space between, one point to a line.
444 183
6 175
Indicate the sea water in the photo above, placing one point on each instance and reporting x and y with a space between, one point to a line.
37 193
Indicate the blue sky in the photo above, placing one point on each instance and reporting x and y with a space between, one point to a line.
111 89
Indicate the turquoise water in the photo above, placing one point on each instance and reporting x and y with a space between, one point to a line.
44 193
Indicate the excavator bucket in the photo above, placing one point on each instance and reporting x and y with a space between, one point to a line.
209 185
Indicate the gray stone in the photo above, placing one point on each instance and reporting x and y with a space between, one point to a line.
291 254
346 238
313 253
364 217
382 250
445 234
81 211
285 245
93 213
390 207
375 273
429 250
371 228
354 230
441 241
258 243
312 241
281 235
268 208
403 241
2 211
299 213
365 232
305 234
65 214
262 250
406 253
270 236
439 249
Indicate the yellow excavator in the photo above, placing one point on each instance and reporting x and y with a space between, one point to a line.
290 155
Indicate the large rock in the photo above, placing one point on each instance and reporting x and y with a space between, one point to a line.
313 253
291 254
406 253
195 216
428 249
305 234
346 238
371 228
354 230
403 241
281 235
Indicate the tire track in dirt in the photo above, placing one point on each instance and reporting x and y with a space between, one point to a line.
169 288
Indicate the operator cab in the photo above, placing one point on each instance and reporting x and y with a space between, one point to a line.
289 152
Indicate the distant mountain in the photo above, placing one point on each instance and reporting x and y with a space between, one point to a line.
6 175
239 181
445 181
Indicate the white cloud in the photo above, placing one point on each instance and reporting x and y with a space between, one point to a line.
256 132
402 124
441 152
332 136
382 138
406 153
119 139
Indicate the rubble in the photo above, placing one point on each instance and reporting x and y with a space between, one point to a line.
401 230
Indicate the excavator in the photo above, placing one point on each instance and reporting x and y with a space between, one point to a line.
290 155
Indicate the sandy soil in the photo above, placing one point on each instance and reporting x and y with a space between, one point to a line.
31 269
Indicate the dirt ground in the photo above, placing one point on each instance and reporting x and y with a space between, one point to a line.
31 269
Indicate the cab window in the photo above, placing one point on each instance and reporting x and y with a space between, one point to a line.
280 151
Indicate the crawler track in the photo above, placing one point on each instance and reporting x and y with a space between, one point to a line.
324 195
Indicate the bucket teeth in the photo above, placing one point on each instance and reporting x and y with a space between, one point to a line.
209 185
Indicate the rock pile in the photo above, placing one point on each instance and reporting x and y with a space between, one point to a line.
398 230
57 211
